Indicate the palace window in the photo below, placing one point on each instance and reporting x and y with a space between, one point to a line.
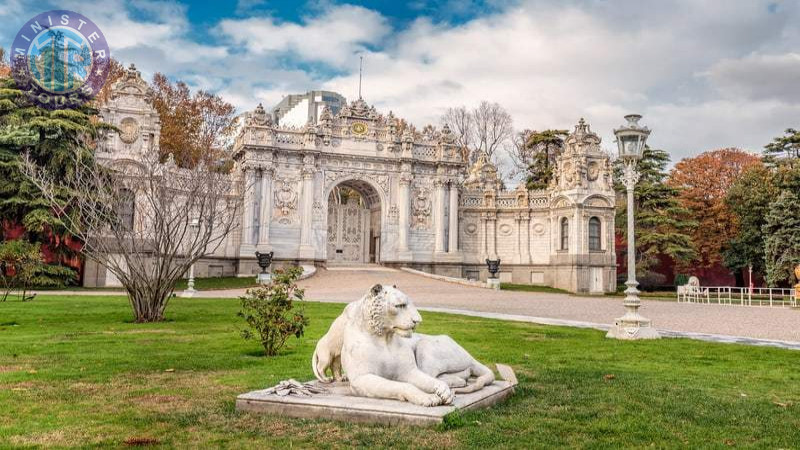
564 234
594 234
127 208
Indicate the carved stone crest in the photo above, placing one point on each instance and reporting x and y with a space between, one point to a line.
129 130
421 208
285 201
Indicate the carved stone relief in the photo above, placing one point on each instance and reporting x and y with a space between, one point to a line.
421 208
505 229
285 201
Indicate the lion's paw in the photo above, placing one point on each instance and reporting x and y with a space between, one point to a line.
424 399
444 392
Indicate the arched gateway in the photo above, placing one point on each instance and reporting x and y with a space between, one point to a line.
355 223
355 186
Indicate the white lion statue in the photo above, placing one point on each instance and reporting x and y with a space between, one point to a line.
372 343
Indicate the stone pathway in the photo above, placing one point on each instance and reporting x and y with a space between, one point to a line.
750 325
728 323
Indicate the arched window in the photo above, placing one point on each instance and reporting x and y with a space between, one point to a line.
594 234
127 208
564 234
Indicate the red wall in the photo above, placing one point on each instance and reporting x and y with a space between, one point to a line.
13 231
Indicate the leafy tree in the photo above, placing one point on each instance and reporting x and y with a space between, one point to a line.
704 182
271 313
20 266
784 149
541 149
194 127
749 200
51 139
782 231
662 223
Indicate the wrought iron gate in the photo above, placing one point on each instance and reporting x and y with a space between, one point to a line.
347 232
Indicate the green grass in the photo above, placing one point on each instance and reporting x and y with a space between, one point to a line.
210 284
531 288
76 372
200 284
655 295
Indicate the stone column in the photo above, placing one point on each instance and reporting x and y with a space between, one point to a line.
452 245
249 199
266 206
491 235
524 231
439 217
404 196
306 249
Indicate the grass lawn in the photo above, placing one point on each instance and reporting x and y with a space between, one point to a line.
531 288
200 284
210 284
75 372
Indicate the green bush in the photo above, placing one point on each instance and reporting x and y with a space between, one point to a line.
20 262
270 312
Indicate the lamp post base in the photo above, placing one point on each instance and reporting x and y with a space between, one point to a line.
188 293
631 327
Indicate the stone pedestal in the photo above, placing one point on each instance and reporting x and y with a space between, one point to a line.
339 403
264 278
493 283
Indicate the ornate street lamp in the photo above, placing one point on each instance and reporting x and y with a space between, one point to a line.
631 139
190 291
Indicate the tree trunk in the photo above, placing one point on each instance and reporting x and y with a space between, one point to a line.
739 274
148 306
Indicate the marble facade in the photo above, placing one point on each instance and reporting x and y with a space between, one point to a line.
422 205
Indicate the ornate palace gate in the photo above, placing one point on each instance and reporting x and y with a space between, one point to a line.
348 232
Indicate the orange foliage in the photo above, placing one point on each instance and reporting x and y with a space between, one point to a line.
194 127
704 182
5 70
115 72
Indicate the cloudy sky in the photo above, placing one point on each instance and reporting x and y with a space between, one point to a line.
705 74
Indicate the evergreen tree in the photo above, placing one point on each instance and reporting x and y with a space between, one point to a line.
784 150
662 224
749 199
782 231
542 148
50 138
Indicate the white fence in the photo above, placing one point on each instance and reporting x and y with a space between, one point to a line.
742 296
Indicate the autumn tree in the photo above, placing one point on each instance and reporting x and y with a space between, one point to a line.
115 72
749 200
484 129
704 182
662 223
5 69
194 127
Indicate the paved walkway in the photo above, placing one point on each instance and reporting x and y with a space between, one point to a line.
712 322
755 322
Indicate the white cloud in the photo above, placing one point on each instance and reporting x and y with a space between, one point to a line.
332 37
704 74
758 76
